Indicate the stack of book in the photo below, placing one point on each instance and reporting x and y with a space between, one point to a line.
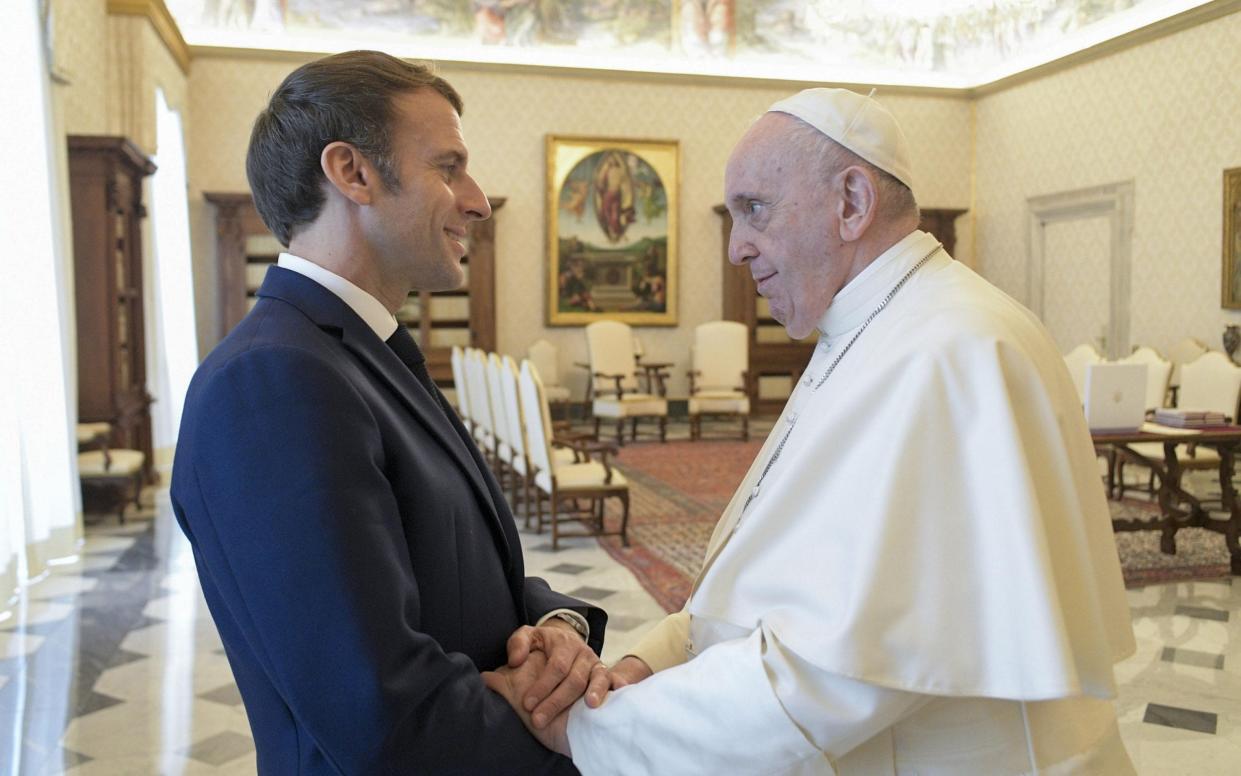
1186 418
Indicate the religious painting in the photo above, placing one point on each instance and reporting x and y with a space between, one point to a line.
1231 282
612 231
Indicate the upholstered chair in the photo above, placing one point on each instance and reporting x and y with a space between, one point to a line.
615 393
575 492
719 375
1210 382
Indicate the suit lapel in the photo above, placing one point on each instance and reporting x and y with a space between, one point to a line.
330 313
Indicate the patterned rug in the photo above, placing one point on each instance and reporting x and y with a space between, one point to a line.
679 489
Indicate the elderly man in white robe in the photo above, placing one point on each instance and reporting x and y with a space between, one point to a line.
917 575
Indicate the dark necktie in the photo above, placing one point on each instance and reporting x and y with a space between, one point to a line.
411 355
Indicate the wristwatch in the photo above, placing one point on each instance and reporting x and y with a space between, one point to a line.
576 622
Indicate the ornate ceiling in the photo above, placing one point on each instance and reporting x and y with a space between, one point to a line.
957 44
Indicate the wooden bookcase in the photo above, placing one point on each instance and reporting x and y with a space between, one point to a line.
105 195
772 352
245 248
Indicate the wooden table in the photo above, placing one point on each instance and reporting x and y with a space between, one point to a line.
1179 508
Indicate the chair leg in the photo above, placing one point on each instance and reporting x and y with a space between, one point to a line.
633 429
515 499
538 506
555 522
624 497
663 428
745 428
620 432
596 427
525 497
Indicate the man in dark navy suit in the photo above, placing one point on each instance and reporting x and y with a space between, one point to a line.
360 562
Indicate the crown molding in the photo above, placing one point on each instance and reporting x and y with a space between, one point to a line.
1169 26
155 12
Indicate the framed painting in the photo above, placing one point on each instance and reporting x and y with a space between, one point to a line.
612 245
1231 282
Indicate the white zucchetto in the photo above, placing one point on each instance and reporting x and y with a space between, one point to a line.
858 123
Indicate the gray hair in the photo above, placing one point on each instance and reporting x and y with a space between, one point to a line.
829 157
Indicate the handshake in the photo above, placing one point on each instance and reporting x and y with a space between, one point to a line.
549 668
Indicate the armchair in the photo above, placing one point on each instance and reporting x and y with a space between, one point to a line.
613 386
719 375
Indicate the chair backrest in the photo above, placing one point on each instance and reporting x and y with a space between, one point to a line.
1183 352
610 344
499 410
538 418
1077 360
480 400
1157 373
458 382
1212 382
720 355
546 358
512 406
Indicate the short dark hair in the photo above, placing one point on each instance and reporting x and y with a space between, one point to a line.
346 97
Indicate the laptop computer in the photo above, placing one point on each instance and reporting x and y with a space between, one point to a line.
1115 396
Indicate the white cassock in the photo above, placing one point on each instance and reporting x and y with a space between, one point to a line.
927 581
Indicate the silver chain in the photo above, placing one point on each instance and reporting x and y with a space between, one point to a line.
792 419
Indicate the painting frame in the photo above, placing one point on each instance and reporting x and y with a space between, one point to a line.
1230 278
587 208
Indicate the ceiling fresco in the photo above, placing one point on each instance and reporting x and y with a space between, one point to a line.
952 43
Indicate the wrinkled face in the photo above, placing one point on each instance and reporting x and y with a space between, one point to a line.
784 225
419 230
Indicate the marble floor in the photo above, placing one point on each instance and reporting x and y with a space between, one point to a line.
111 665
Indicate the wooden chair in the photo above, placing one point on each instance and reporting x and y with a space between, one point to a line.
719 375
1184 352
480 404
523 471
117 473
546 358
460 389
1211 382
502 428
586 480
614 391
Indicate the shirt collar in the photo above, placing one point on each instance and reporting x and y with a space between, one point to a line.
367 307
862 294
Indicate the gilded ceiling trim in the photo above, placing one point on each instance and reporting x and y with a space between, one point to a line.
161 20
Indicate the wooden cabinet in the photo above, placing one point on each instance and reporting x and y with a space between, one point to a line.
772 352
245 248
105 194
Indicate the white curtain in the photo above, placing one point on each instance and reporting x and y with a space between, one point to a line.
173 353
41 517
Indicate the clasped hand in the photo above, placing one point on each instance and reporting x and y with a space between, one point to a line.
549 668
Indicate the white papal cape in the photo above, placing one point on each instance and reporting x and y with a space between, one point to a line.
927 581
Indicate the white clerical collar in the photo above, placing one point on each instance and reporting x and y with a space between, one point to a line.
368 308
860 296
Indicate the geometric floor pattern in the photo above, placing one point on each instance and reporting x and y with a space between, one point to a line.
111 664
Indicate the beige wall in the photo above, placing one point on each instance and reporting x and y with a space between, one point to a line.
1165 115
112 66
506 118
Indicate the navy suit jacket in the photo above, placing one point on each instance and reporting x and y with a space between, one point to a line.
359 560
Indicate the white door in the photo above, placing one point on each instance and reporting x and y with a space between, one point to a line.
1078 281
1077 290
